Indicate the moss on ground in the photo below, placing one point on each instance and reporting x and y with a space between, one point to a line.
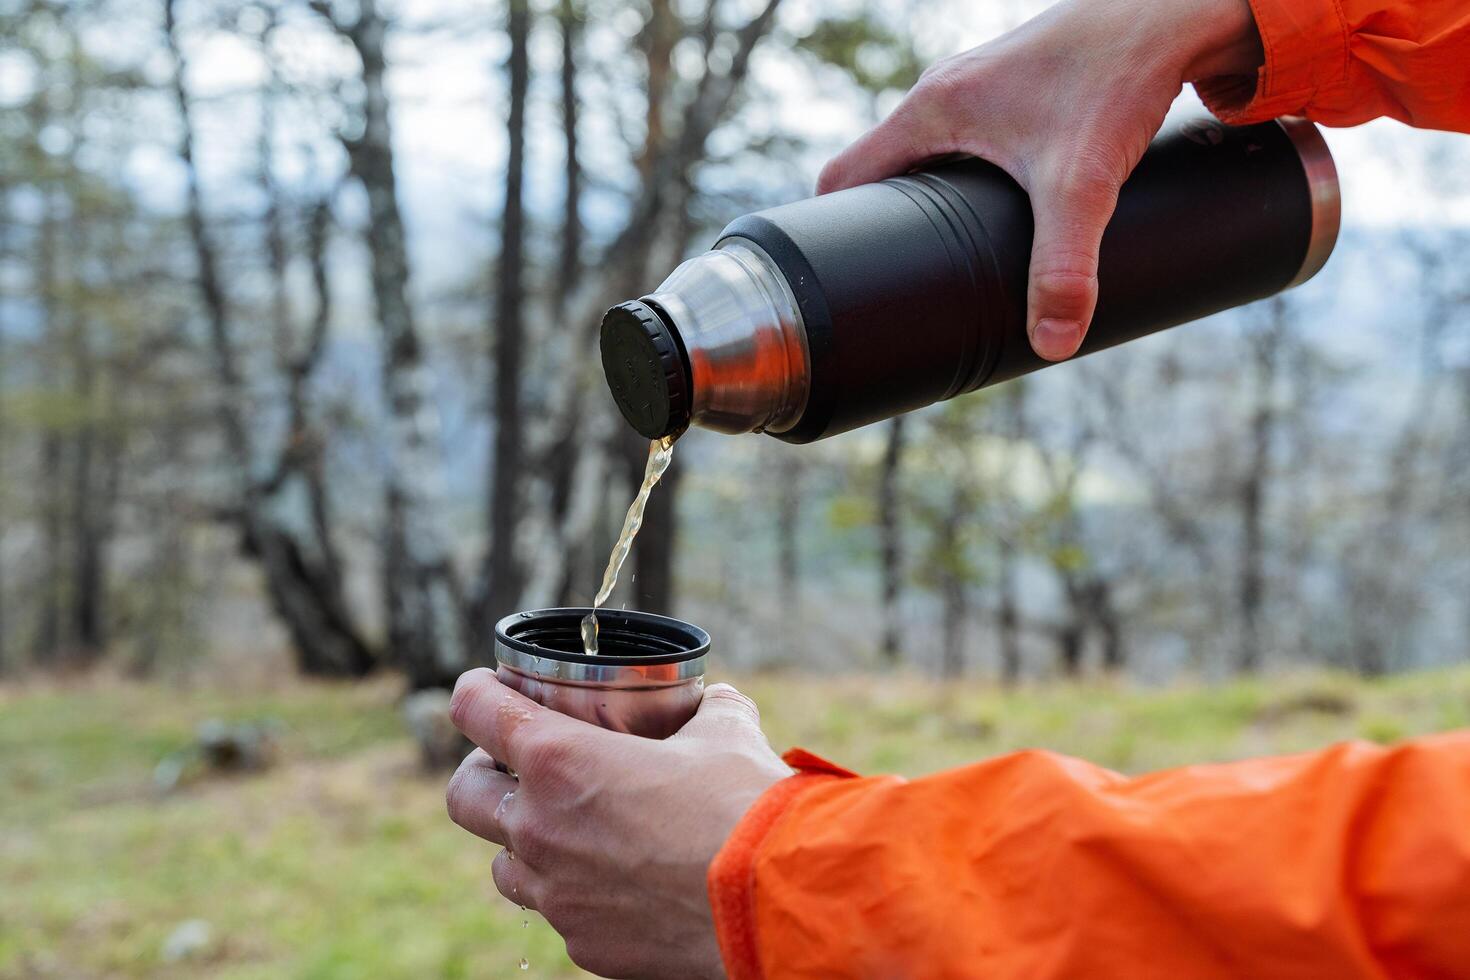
340 863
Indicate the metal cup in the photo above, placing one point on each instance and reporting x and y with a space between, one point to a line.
647 678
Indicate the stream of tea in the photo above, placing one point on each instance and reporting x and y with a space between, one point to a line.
660 454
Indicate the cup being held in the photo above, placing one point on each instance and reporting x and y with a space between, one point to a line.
647 678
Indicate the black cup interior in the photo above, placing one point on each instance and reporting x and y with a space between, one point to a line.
623 637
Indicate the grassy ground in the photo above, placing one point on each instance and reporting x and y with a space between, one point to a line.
339 861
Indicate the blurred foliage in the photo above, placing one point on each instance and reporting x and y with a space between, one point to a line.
878 57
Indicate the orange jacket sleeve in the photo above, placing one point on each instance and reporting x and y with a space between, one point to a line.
1344 62
1349 862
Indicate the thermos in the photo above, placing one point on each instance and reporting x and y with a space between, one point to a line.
817 317
647 678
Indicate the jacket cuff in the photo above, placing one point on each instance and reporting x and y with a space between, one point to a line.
731 878
1306 47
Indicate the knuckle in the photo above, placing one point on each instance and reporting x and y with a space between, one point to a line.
831 175
457 795
941 82
726 693
1062 293
1065 267
531 837
1089 172
549 758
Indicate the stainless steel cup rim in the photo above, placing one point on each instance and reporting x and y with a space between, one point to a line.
644 649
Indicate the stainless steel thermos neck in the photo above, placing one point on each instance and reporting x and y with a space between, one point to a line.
817 317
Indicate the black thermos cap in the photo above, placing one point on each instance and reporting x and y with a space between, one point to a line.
646 369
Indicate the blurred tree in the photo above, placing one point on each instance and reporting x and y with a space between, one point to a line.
890 533
1274 493
5 365
502 574
879 59
950 499
788 472
1266 343
304 589
1087 590
700 98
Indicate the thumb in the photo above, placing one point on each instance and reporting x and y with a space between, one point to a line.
723 713
1071 215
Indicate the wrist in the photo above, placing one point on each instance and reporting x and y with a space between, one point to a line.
1222 39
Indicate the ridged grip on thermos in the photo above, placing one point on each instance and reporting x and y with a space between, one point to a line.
895 295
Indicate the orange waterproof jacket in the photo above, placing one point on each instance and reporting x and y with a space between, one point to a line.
1352 862
1344 62
1345 863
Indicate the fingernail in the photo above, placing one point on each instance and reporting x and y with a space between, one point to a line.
1056 340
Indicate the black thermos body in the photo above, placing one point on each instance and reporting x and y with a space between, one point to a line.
821 316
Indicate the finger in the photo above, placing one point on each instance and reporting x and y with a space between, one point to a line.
920 128
723 713
513 880
1071 214
478 796
513 728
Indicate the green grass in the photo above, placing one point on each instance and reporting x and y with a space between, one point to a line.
339 862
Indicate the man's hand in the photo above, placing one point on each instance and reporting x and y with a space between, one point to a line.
612 834
1066 104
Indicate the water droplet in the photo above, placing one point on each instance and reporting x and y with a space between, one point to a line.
525 615
525 963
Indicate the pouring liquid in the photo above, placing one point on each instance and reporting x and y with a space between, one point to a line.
660 454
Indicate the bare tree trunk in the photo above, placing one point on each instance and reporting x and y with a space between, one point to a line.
1015 425
890 542
47 643
502 584
953 588
1253 489
653 553
952 655
48 640
4 437
426 615
88 504
559 463
1008 622
1072 633
660 33
569 268
314 464
1103 615
307 599
788 547
1069 647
